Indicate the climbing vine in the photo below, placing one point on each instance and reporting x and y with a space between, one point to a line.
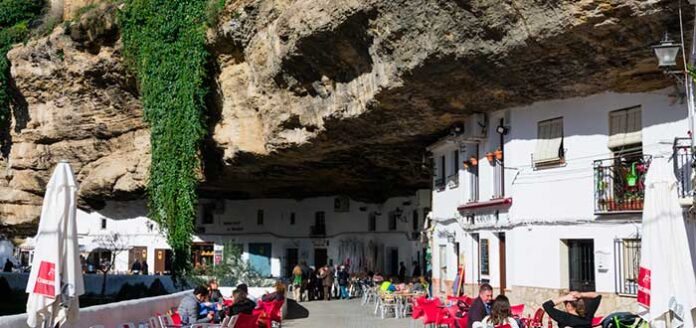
15 16
164 42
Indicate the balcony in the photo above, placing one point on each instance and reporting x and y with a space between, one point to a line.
317 231
439 184
453 181
683 159
619 184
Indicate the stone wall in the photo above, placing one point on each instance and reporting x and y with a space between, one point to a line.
534 297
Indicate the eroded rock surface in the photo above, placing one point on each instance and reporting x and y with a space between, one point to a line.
319 96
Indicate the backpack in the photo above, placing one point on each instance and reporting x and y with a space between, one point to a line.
622 320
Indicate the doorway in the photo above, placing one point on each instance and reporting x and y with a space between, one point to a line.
260 258
501 262
320 257
291 258
581 265
163 261
393 261
137 253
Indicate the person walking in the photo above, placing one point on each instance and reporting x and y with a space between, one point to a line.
481 307
8 266
416 270
297 283
343 282
327 281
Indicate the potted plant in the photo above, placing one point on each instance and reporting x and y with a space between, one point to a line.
473 160
490 156
499 154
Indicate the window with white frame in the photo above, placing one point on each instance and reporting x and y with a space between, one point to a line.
625 127
453 178
549 147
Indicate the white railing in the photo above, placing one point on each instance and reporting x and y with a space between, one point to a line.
112 314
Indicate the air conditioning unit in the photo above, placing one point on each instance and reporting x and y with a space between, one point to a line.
475 127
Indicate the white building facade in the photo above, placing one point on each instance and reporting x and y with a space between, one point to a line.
273 234
559 206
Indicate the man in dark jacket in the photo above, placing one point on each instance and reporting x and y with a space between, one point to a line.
188 308
481 306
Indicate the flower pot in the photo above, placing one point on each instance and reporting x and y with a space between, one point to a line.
499 155
490 156
473 160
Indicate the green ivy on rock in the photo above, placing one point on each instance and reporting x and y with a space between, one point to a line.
15 16
164 42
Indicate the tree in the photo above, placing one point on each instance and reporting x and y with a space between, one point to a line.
114 243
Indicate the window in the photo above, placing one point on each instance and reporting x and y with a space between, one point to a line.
474 180
392 220
627 260
292 218
103 223
625 126
453 178
259 217
440 173
415 220
372 222
320 219
484 257
341 204
498 171
208 213
581 265
549 147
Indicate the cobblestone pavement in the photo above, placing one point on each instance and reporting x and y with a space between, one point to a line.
337 314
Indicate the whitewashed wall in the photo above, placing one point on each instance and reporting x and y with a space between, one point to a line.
554 204
237 223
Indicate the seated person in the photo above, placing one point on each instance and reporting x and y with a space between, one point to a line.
377 279
245 289
388 286
241 303
277 295
215 294
416 286
188 307
500 314
580 309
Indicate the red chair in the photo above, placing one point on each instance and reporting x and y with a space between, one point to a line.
538 319
463 321
517 310
272 311
176 318
247 320
597 321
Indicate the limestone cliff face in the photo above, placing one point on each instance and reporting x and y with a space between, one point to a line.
319 96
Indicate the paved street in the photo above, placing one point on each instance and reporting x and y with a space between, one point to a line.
337 313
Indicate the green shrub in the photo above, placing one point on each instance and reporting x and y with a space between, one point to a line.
15 11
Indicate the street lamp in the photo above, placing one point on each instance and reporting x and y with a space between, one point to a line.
666 53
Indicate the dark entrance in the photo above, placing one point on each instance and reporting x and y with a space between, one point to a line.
291 258
501 257
581 264
320 257
394 261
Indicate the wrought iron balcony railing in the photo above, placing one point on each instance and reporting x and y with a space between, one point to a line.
317 231
619 183
683 159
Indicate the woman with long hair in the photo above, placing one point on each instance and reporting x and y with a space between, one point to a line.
277 295
500 314
579 308
297 283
